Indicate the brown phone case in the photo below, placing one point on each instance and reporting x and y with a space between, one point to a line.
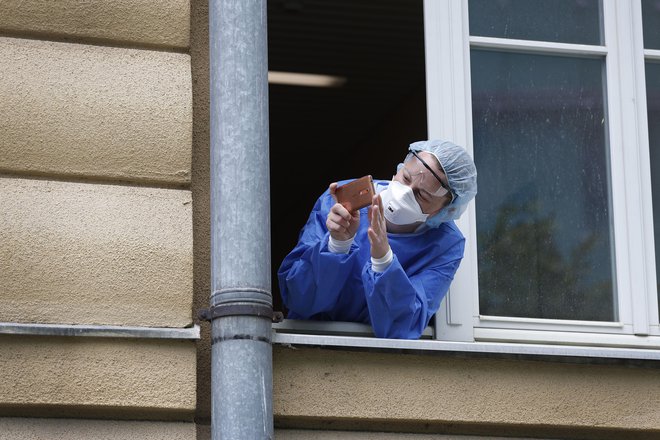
356 194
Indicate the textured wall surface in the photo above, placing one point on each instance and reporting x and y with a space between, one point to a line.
96 216
199 52
293 434
14 428
142 22
204 433
319 387
95 112
122 378
95 254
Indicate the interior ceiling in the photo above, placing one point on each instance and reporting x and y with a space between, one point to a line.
376 44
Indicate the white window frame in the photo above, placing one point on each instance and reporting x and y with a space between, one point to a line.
450 116
458 326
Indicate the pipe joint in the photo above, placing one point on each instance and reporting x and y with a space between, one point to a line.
241 309
242 295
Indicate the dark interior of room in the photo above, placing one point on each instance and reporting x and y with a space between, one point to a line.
319 135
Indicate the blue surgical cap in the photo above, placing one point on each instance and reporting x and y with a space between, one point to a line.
461 176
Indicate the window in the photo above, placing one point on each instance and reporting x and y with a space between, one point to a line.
559 102
560 230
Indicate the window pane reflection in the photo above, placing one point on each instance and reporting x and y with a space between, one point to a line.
653 105
562 21
651 23
543 211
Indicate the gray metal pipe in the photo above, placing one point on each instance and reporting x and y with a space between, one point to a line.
241 299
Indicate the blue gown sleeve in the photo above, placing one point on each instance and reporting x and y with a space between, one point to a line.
401 305
310 276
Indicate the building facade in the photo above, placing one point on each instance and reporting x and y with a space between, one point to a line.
105 220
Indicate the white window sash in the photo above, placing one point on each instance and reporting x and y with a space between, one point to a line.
449 108
654 56
639 254
449 99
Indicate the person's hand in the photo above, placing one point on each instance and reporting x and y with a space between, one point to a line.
377 229
341 224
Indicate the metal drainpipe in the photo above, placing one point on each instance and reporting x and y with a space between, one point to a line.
241 299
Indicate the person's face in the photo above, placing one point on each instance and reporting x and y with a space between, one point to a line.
431 195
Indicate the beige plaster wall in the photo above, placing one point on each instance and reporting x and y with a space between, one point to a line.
343 390
141 22
204 433
95 112
14 428
295 434
95 254
200 185
97 377
95 127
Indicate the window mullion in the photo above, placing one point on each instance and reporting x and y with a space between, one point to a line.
449 109
629 145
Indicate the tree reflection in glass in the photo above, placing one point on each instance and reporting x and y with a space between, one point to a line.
543 209
653 105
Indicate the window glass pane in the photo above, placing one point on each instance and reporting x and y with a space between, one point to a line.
563 21
543 211
653 105
651 23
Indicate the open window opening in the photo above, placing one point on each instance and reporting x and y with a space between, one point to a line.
548 119
347 96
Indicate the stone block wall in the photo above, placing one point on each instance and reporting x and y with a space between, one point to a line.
96 217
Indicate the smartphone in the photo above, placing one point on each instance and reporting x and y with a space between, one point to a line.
356 194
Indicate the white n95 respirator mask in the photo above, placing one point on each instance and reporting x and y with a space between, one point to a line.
400 206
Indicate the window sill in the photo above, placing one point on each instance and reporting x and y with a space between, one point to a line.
346 335
332 328
99 331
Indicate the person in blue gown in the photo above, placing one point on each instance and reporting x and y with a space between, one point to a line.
392 270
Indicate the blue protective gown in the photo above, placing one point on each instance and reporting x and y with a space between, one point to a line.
318 284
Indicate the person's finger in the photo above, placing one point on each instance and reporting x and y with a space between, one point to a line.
375 240
379 202
343 215
337 229
373 218
341 211
374 237
338 219
334 226
377 220
355 219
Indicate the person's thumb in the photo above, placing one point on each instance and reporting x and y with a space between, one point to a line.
333 190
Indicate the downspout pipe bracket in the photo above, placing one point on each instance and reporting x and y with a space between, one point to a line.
259 310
